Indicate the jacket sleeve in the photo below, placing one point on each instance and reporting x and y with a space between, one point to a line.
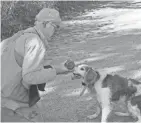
33 70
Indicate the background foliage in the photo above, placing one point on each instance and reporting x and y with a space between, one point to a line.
18 15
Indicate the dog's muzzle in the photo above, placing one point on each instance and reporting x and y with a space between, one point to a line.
76 76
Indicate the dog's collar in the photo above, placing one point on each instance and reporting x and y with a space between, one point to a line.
97 76
83 83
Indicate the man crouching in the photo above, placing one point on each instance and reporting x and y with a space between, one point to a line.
23 70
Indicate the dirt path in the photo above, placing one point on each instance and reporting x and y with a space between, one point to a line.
113 53
119 54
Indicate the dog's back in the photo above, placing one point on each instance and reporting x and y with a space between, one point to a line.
136 101
118 86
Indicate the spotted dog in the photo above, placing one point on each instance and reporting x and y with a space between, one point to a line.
109 89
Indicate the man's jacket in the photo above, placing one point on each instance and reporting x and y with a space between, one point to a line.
22 65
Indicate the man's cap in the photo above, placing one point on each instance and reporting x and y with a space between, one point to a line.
48 14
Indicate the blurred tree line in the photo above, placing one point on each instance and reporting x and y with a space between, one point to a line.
19 15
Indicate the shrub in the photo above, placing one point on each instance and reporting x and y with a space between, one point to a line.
19 15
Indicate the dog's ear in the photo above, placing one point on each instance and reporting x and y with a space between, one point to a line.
88 68
90 75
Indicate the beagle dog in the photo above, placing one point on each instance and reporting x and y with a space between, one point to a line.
109 89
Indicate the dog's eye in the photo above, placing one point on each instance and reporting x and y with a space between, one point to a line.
82 68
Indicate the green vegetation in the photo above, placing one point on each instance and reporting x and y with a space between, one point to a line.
19 15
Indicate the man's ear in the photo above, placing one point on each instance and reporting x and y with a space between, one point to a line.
89 76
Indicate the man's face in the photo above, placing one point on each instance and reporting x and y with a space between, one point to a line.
47 28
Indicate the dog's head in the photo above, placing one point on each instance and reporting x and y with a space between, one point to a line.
88 74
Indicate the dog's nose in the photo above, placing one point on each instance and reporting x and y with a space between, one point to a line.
84 84
75 74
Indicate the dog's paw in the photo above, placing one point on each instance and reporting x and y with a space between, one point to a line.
92 116
96 114
138 121
135 118
122 114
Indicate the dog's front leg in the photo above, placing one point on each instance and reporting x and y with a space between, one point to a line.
105 113
95 115
105 104
139 119
98 110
